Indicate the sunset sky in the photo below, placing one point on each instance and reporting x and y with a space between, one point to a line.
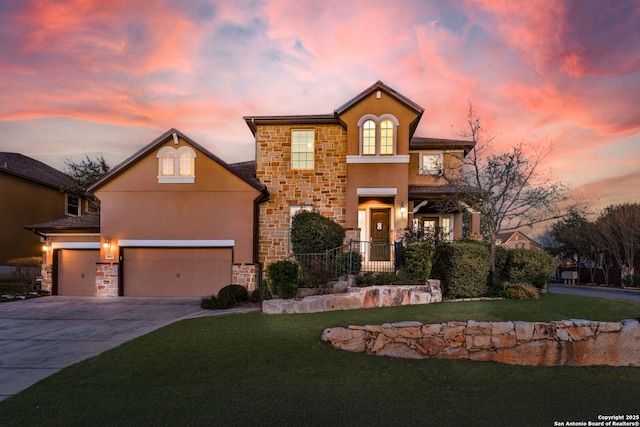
107 77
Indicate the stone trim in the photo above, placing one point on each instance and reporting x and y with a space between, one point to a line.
107 279
566 342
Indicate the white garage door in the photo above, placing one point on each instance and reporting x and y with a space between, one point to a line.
194 272
77 272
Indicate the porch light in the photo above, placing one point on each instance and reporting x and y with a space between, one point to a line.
403 209
47 245
106 244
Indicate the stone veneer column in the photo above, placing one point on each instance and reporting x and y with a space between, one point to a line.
107 279
244 275
46 271
324 188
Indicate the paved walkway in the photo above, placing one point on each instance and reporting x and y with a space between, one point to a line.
596 291
41 336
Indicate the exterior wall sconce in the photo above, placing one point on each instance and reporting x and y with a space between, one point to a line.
106 244
403 209
47 246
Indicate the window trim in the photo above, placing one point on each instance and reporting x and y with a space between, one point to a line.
177 177
67 204
422 170
378 134
313 150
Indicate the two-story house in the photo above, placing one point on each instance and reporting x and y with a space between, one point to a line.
361 166
31 192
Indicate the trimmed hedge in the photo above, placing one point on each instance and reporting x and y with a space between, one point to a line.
228 297
527 266
417 260
462 268
283 278
312 233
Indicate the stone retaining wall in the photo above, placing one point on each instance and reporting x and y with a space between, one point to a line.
566 342
356 298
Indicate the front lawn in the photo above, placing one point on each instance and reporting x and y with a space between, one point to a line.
257 369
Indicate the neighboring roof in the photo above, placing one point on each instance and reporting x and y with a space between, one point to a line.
509 234
34 170
420 143
87 222
310 119
380 86
158 142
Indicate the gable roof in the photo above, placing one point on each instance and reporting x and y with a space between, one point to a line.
33 170
506 236
158 142
87 222
380 86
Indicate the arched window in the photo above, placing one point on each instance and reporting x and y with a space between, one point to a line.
386 137
185 164
378 135
168 164
176 166
369 138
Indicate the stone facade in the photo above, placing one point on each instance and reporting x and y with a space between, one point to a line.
244 275
566 342
357 298
46 271
107 279
324 187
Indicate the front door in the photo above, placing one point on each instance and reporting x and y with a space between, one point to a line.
379 234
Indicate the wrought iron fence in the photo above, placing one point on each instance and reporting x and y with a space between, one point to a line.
356 257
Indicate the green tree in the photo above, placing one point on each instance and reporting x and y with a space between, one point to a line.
83 174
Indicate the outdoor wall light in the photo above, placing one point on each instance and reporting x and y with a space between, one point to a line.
47 246
106 244
403 209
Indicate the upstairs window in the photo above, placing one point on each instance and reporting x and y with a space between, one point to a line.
72 205
176 166
430 163
302 149
378 135
369 138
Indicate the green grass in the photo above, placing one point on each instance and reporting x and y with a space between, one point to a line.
257 369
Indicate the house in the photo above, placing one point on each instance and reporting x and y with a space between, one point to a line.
31 192
517 240
361 166
175 220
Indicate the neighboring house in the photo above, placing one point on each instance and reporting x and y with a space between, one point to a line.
31 192
175 220
361 166
517 240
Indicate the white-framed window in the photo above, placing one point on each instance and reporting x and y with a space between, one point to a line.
72 205
378 135
176 166
430 163
302 148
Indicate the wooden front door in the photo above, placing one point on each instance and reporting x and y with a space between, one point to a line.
379 235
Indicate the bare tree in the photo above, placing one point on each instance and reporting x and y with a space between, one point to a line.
505 188
620 233
83 174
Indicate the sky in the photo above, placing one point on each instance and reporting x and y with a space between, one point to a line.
95 77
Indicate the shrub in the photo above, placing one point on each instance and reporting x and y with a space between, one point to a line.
417 260
342 263
282 278
520 291
385 278
25 271
527 266
312 233
231 295
255 295
462 269
209 303
631 281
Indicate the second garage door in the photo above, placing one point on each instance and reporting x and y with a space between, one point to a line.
179 272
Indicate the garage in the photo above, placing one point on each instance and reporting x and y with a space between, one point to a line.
77 271
175 272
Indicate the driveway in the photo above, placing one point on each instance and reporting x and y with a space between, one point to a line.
41 336
596 291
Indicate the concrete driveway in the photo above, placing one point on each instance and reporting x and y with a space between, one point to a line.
596 291
41 336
